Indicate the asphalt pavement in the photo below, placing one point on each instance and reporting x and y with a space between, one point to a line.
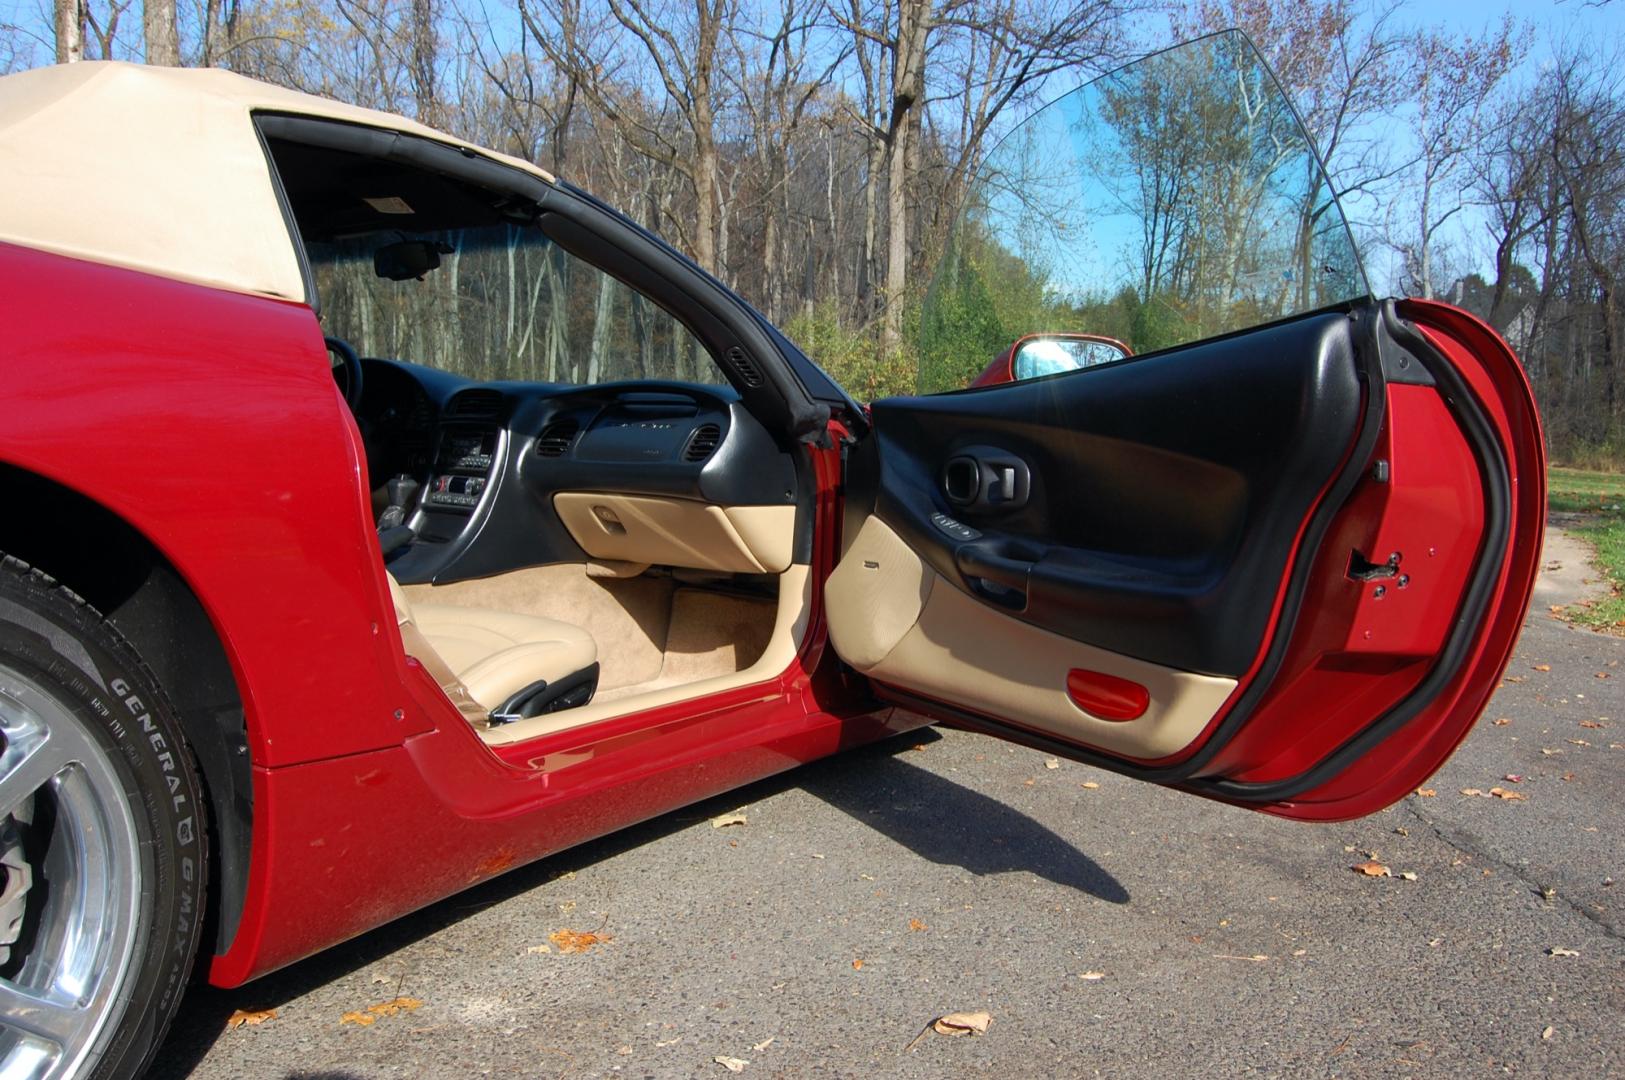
1107 927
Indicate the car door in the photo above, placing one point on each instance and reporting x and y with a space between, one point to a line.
1282 565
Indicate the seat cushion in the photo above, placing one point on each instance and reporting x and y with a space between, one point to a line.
497 653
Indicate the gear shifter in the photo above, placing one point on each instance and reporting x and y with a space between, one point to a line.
402 490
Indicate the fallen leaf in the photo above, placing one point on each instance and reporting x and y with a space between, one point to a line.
250 1017
1516 678
857 965
1549 752
1471 791
1503 721
1548 1032
1543 667
722 821
915 924
764 1044
369 1016
1407 875
1372 869
1558 951
1592 724
577 941
1513 777
919 746
1426 792
732 1064
1578 742
1029 783
1510 796
1602 675
1052 763
1567 777
1089 785
962 1023
1092 976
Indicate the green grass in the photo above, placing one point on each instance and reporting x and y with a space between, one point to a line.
1599 500
1584 491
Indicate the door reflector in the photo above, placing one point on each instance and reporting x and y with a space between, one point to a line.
1107 696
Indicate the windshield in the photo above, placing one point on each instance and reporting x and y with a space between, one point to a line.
497 302
1175 199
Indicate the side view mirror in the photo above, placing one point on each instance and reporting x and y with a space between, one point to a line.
405 260
1048 354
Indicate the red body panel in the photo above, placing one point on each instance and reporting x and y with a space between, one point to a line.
219 435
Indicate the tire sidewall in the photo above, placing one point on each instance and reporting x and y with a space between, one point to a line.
81 662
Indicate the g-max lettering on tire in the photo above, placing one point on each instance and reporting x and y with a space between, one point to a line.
103 841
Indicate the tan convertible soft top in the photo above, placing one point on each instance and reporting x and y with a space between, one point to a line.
159 169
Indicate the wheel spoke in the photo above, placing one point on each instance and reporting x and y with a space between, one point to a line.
28 763
40 1015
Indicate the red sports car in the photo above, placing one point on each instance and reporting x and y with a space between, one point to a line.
361 475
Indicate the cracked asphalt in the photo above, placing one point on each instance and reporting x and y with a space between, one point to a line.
870 893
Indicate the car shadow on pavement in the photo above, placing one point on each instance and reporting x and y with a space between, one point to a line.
928 814
952 825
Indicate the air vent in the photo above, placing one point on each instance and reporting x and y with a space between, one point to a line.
702 443
745 368
475 405
555 439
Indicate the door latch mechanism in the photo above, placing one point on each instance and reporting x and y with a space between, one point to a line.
1363 569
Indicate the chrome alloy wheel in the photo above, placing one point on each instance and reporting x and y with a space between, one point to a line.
76 889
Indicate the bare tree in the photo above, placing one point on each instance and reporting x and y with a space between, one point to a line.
1455 80
681 47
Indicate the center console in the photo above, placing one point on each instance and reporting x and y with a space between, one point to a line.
462 469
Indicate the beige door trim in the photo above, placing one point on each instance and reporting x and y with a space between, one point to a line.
892 617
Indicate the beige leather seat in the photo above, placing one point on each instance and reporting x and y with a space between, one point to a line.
482 657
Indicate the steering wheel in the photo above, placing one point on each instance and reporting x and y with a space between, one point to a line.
347 371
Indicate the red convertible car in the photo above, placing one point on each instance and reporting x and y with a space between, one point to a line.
358 474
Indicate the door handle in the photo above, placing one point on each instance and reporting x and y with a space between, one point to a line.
986 478
999 574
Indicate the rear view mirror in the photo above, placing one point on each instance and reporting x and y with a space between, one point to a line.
1048 354
405 260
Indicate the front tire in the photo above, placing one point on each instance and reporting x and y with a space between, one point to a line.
103 848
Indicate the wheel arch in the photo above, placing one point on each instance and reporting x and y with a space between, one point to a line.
124 576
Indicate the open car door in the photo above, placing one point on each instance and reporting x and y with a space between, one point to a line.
1280 557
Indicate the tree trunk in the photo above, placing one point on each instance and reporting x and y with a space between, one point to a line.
423 63
70 31
603 313
908 87
705 193
163 44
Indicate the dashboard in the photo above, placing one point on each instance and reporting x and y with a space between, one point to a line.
500 470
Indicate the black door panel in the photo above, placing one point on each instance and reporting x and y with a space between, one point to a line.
1162 495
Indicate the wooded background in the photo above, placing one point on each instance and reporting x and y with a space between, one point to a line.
814 154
